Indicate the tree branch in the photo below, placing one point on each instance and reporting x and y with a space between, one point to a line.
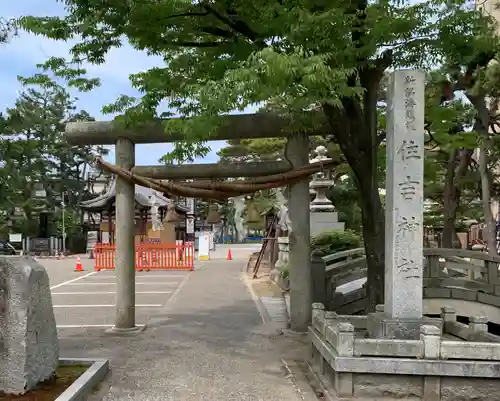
217 32
239 26
189 14
199 44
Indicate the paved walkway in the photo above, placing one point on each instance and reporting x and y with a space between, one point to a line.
204 345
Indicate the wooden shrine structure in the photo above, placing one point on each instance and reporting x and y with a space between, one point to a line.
101 210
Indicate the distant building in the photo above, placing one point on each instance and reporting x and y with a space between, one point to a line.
99 215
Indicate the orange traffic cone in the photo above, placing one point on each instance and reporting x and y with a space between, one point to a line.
79 267
229 255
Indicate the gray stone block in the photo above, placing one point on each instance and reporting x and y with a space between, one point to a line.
381 325
468 295
437 293
488 299
29 350
324 221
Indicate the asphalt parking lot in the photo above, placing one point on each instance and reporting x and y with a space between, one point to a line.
85 300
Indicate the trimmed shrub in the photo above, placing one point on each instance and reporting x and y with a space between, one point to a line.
334 241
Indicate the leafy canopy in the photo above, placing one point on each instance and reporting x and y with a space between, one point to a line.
224 55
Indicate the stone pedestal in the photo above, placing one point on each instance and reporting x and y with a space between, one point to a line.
29 351
382 325
325 221
283 252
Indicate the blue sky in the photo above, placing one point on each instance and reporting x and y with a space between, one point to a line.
21 55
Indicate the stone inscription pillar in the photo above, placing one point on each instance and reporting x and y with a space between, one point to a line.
125 244
300 241
404 195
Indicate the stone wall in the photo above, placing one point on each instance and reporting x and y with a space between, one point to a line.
29 349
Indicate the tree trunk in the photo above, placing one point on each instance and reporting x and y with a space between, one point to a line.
481 126
374 238
490 226
450 201
453 193
359 145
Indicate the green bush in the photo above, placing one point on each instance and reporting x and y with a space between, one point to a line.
335 241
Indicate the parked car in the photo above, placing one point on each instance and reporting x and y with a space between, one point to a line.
6 248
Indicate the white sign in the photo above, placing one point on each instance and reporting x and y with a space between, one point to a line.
105 237
190 225
212 242
190 205
91 239
15 238
204 246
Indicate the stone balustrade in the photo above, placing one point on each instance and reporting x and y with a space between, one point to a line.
459 274
433 367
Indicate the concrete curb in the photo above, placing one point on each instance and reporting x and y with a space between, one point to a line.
299 381
85 384
321 387
258 302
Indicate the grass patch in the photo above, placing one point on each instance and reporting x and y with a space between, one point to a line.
51 389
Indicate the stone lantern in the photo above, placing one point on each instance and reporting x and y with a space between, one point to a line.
320 184
323 215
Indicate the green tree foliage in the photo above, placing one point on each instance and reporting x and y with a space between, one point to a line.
252 150
34 155
450 178
300 57
345 197
7 29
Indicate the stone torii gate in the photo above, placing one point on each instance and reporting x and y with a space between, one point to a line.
242 126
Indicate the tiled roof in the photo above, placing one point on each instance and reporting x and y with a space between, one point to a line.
142 197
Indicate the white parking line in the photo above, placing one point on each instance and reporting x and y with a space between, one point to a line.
153 292
145 276
106 306
84 326
138 283
72 281
109 292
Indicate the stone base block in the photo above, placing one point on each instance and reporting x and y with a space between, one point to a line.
325 221
381 325
125 332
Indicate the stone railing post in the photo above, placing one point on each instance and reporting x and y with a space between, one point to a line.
318 311
448 314
331 318
432 267
318 318
431 337
318 277
345 339
491 272
478 324
344 345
